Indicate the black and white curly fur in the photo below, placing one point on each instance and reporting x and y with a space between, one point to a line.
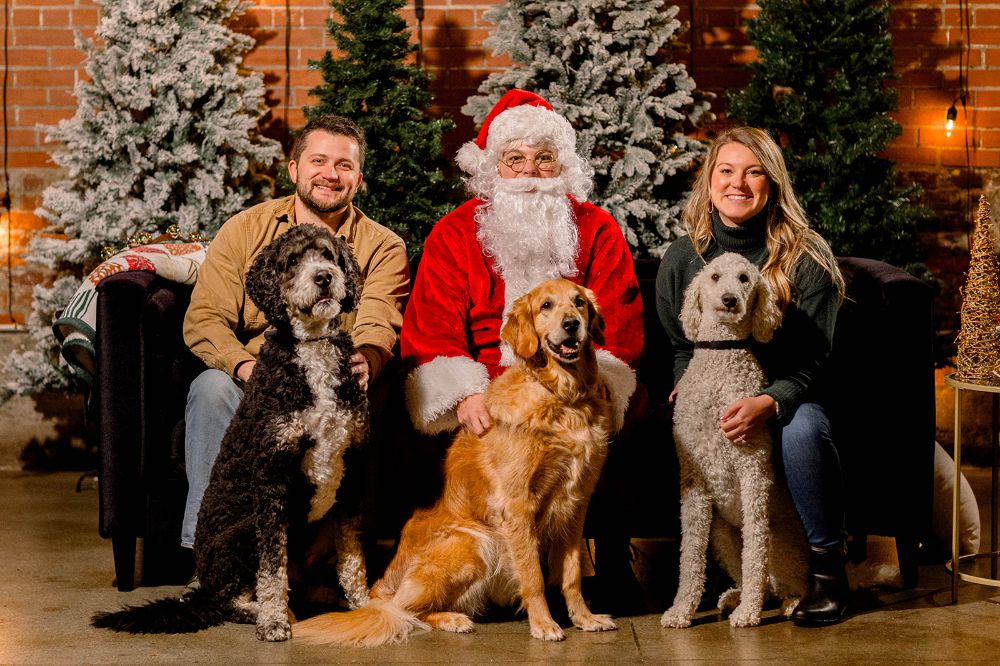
728 493
282 459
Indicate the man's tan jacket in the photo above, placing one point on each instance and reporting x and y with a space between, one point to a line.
224 328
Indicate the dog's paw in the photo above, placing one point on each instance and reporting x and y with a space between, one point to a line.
788 606
591 622
546 630
458 623
275 631
675 618
745 617
729 599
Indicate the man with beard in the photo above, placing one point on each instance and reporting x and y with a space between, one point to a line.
225 329
528 221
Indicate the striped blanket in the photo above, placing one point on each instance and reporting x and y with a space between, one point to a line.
75 327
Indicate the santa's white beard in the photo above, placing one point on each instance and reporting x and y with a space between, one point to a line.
529 230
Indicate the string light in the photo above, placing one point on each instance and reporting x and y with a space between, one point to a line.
949 123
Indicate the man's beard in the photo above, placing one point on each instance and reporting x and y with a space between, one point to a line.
528 229
303 190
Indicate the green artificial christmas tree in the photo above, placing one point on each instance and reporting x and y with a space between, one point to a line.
166 133
606 66
822 83
373 83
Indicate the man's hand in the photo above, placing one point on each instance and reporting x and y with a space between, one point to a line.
360 369
747 416
472 413
244 370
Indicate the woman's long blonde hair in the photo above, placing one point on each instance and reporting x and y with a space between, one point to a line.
788 232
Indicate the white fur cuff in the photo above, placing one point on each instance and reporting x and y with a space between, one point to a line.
620 380
434 389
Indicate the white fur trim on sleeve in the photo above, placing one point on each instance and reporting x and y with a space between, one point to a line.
434 389
620 380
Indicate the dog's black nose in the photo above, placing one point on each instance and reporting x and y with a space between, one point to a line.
729 301
571 326
323 278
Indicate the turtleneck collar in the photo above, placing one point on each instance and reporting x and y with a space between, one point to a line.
747 237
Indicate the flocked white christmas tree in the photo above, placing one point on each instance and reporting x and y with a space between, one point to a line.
605 65
166 133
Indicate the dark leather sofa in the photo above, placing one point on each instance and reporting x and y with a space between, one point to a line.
883 419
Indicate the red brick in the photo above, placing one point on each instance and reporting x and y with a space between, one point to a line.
29 159
52 18
83 16
25 96
21 18
921 78
984 78
36 56
989 138
916 18
43 37
66 57
45 117
45 78
23 138
979 158
266 57
942 37
985 16
914 156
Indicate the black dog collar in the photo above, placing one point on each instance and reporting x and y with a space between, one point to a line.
723 344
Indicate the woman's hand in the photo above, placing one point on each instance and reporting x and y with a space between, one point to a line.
746 417
472 413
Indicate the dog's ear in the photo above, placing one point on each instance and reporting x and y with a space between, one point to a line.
766 314
691 309
352 275
263 282
519 331
595 320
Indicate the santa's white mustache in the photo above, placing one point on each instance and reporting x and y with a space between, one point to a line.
555 185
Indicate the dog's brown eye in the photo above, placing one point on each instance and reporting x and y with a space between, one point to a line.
579 301
744 277
715 277
547 305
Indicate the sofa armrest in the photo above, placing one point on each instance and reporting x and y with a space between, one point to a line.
882 402
143 368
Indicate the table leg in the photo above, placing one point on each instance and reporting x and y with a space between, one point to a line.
955 495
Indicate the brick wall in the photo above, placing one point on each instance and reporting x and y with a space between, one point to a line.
44 66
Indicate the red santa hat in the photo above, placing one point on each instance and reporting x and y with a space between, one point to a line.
519 115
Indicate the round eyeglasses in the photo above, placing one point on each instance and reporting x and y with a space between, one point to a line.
544 161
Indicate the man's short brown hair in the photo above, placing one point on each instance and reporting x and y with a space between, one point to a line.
337 125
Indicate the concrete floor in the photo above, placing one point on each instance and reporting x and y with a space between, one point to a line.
59 571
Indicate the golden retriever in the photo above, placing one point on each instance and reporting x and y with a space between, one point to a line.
512 495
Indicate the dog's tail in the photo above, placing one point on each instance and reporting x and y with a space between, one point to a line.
378 623
198 609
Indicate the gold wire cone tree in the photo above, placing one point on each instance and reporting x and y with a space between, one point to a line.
978 342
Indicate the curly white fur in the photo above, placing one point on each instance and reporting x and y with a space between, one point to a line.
728 494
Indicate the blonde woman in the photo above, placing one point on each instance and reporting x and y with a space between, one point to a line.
743 202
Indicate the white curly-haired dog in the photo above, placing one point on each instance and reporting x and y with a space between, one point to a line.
282 459
727 490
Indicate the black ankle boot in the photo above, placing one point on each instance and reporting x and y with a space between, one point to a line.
827 595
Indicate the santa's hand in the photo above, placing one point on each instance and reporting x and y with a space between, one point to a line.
472 413
360 369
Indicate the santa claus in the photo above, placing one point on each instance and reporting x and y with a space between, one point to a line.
529 221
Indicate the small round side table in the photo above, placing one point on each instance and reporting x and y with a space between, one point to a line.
987 386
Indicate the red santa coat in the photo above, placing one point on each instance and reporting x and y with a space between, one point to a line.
450 338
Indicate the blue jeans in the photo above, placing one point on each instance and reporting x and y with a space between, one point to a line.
812 471
212 401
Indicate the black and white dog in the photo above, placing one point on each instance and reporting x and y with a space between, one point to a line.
282 458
